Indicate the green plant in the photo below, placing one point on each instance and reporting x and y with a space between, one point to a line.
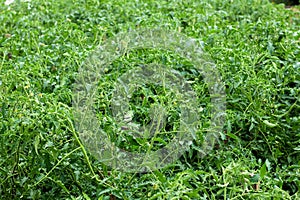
255 45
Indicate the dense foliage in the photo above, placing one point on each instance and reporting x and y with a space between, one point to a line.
255 45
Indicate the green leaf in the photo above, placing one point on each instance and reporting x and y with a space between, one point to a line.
297 148
263 171
36 144
86 196
269 124
161 177
233 136
268 164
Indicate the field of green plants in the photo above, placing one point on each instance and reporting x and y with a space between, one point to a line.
255 46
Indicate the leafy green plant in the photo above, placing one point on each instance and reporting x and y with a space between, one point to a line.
255 45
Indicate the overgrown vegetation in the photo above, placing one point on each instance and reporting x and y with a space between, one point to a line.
255 45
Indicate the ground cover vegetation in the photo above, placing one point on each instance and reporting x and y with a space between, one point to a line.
255 46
